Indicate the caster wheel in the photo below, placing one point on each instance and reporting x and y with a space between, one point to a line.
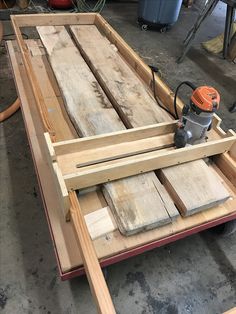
105 273
144 27
233 108
163 29
226 229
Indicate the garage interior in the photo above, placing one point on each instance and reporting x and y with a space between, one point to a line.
196 274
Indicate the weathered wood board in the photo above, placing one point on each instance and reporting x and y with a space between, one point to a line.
122 85
131 98
92 113
201 183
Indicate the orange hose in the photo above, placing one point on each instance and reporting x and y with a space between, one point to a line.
16 105
10 110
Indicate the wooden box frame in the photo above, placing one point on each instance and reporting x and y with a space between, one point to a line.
32 103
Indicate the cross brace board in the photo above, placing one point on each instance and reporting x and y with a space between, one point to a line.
94 160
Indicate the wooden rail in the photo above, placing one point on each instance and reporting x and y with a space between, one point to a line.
98 159
93 270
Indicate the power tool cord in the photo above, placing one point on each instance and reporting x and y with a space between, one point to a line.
156 70
176 94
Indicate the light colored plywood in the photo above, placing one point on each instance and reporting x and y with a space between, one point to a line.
92 113
100 222
114 138
115 240
80 161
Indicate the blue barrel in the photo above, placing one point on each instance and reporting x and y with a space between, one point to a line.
158 12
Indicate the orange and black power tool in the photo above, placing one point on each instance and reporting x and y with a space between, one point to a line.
196 116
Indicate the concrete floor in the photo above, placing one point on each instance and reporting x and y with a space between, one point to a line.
193 275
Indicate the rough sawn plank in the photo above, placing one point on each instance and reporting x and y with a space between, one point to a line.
205 189
92 113
135 101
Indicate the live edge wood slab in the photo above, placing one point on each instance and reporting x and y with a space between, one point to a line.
66 240
92 113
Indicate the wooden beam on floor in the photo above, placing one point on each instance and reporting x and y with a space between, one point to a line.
93 270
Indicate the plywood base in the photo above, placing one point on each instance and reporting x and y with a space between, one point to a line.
113 243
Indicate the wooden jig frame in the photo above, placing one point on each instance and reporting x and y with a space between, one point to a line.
122 154
56 150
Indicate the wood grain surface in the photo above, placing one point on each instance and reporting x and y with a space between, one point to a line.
92 113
